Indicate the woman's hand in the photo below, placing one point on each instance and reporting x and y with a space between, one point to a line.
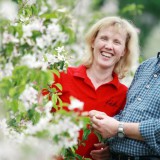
101 152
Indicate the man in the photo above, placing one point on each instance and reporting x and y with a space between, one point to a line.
135 133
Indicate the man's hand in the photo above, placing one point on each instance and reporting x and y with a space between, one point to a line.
101 153
105 125
95 112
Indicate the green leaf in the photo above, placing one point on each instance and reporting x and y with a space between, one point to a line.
36 117
33 116
49 15
86 133
13 123
42 134
54 99
56 72
78 157
59 86
60 102
56 138
14 105
100 138
21 107
86 120
5 86
61 65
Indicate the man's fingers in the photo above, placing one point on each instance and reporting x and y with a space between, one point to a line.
92 113
95 121
95 127
100 116
95 112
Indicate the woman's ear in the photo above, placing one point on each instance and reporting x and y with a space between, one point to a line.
124 52
92 44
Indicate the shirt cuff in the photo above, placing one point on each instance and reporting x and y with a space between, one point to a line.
147 129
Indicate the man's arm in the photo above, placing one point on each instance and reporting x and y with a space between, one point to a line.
148 130
108 126
131 130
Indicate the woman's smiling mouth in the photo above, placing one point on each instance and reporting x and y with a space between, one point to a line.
106 54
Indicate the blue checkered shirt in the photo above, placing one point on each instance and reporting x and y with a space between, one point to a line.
143 106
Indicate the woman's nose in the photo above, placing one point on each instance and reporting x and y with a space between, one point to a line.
109 45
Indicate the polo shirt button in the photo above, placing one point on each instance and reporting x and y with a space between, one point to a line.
147 86
155 75
139 99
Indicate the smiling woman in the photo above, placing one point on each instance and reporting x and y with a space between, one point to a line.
112 47
125 31
109 47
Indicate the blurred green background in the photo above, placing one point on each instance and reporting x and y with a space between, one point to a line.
143 13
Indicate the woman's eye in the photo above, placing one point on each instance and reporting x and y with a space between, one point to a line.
117 42
104 38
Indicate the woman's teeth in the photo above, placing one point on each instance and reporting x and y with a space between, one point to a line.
108 55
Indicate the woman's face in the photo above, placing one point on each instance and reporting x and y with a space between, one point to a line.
108 47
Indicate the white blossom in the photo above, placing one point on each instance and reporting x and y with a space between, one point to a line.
43 9
53 28
75 104
8 10
52 3
29 97
6 71
15 52
4 126
51 59
40 42
7 37
23 19
65 124
48 107
60 49
37 55
40 126
35 149
62 10
31 61
61 57
29 2
35 25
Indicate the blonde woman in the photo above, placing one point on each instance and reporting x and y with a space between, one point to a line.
112 48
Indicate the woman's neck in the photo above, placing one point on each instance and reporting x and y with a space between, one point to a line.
99 76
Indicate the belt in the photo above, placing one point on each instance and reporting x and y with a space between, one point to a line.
116 156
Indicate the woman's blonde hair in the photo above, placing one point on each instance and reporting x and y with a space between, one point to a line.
124 65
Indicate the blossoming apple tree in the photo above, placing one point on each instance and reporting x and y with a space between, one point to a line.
35 40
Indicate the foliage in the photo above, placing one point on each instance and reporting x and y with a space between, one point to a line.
144 14
37 39
35 44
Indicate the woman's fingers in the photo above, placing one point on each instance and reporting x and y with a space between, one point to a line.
101 154
100 145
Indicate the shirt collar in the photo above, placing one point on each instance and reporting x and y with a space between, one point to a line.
81 73
115 81
158 55
158 58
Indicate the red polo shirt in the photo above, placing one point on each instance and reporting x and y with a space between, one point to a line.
109 98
